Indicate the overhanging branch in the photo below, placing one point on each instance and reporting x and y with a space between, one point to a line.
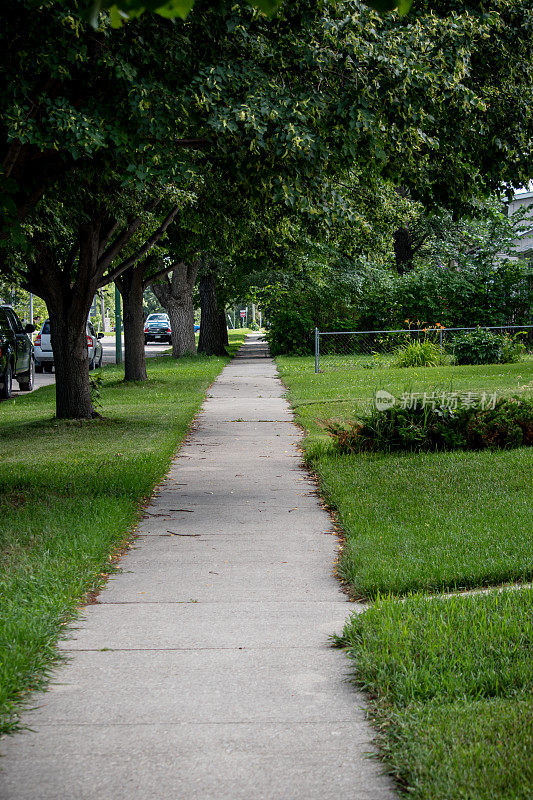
162 272
142 251
123 238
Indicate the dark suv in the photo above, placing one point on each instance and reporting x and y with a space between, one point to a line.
16 353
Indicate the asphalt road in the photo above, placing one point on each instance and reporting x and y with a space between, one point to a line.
109 357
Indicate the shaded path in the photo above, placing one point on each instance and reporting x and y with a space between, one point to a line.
204 671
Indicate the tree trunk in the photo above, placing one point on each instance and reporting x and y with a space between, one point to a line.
182 324
68 309
175 295
212 331
69 343
403 250
130 285
223 327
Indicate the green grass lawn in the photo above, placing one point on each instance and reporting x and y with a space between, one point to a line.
425 521
70 494
450 680
429 522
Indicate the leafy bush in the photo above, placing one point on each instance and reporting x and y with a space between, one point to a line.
513 348
419 354
485 347
471 427
479 294
290 333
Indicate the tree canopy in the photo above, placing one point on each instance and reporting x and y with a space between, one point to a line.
123 10
279 114
438 100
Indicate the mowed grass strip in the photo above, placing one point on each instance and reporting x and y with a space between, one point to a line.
450 682
70 494
419 522
431 521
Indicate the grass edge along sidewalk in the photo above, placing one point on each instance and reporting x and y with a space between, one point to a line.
70 495
418 521
450 686
449 679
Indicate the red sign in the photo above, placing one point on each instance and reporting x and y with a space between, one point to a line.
243 314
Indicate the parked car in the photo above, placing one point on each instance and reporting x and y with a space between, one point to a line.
44 357
157 328
16 353
196 327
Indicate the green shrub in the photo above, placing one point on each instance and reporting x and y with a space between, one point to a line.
479 293
290 333
513 348
485 347
471 427
419 354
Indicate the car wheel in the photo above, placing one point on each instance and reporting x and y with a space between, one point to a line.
27 385
8 383
48 367
38 367
91 364
99 365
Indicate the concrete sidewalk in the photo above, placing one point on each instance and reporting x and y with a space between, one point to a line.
204 671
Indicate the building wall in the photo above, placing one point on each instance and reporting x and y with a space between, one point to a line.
524 244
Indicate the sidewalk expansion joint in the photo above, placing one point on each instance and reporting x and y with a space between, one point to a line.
290 723
140 603
324 647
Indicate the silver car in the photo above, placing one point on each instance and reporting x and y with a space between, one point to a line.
44 357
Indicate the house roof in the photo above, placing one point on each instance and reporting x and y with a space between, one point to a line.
523 195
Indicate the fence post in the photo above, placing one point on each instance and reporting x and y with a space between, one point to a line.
440 337
317 351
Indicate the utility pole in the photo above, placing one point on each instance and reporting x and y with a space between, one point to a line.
118 327
31 309
102 308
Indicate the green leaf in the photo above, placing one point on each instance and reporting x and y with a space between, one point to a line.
382 5
175 8
268 7
116 17
404 6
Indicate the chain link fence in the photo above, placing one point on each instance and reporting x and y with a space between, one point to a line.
341 350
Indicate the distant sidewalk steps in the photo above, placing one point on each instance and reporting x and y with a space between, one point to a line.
254 347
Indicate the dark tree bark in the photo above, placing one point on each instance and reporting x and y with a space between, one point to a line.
223 327
174 292
68 308
212 330
404 251
130 285
69 343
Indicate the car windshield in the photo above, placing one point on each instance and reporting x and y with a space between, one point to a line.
157 318
46 327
